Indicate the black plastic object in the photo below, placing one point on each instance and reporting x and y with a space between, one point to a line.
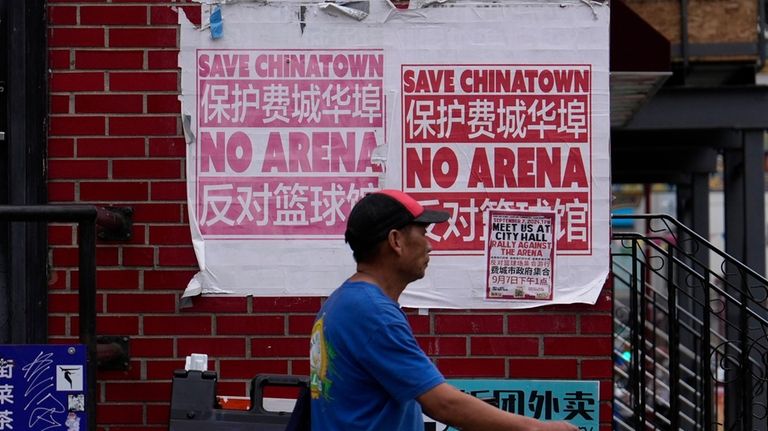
194 406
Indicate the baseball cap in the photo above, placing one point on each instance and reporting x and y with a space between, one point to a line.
377 213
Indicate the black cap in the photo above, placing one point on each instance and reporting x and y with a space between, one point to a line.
378 213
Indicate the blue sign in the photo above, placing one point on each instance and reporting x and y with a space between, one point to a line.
43 387
574 401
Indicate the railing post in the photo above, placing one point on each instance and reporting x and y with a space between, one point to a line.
706 352
86 231
674 342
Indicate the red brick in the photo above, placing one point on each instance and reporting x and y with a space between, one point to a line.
62 15
250 325
114 191
68 125
540 324
111 147
57 325
170 280
300 367
504 346
596 324
77 169
143 37
280 347
137 391
62 257
61 147
163 103
119 414
59 105
58 59
596 369
167 147
141 303
111 103
138 235
578 346
419 324
76 81
62 302
163 15
213 304
167 59
146 169
103 60
543 368
157 213
469 324
471 367
60 191
163 369
247 369
177 325
138 256
58 279
286 304
106 255
177 256
144 81
152 347
75 37
158 414
111 325
215 347
168 190
443 346
170 235
193 13
113 15
61 235
132 373
300 324
117 279
141 126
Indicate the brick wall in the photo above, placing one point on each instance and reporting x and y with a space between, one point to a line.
115 139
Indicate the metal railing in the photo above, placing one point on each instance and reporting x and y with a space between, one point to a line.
85 216
690 332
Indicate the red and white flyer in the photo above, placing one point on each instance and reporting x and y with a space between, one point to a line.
521 255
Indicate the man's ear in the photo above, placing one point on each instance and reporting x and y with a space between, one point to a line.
395 241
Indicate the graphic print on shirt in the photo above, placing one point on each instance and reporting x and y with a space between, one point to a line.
321 356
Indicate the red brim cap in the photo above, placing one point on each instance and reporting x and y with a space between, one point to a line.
420 214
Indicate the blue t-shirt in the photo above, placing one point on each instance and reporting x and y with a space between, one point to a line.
366 368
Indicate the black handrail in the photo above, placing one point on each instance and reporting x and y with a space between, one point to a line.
85 217
713 320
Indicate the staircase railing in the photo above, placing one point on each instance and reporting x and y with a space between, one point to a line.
691 332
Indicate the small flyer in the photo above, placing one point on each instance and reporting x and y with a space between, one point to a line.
521 255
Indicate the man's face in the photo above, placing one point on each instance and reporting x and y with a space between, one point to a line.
416 248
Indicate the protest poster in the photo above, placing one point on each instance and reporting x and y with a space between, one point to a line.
521 252
294 113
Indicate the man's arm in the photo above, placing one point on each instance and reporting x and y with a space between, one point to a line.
453 407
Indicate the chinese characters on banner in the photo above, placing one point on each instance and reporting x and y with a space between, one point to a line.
521 255
577 402
285 139
499 137
473 110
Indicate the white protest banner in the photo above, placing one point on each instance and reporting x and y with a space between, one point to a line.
297 110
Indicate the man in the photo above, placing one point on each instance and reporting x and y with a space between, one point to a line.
367 370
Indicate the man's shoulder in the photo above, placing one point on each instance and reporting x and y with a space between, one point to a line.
363 299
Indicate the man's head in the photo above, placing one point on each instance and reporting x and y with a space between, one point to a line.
377 214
